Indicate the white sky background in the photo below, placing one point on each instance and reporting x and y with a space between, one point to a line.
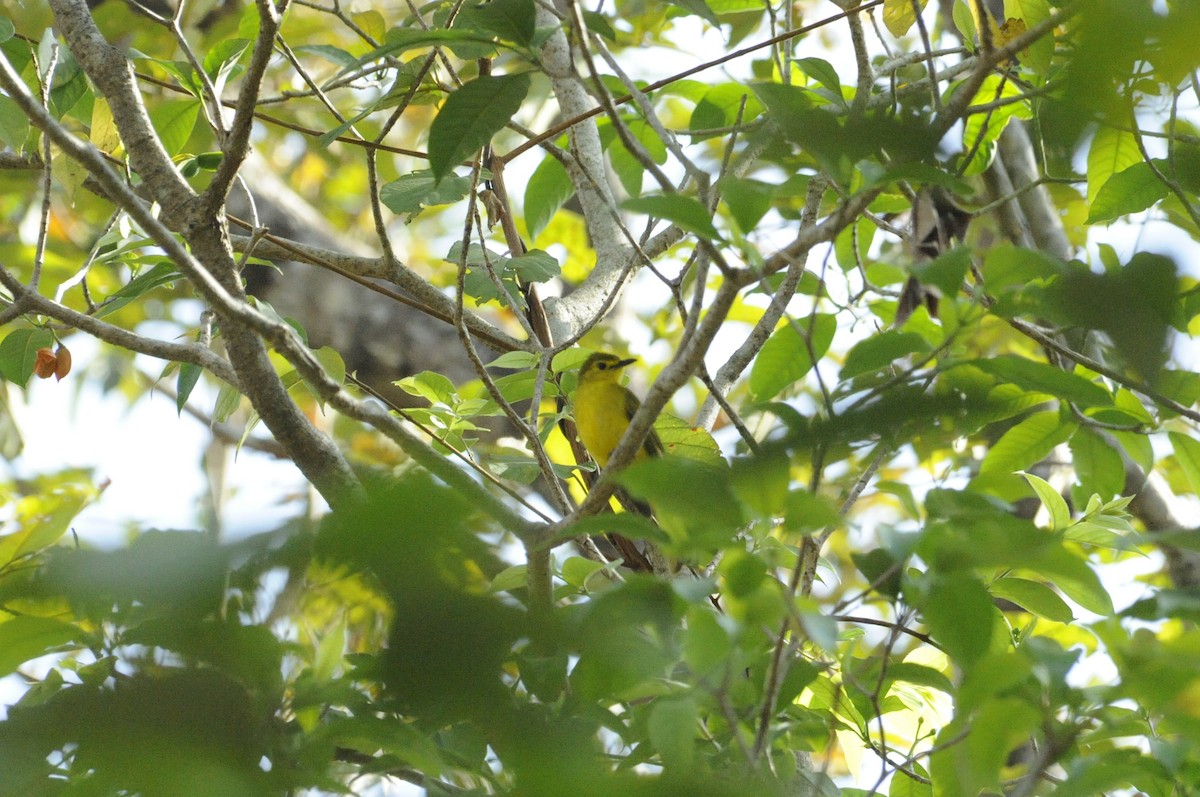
151 456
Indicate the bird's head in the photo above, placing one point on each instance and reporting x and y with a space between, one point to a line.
603 367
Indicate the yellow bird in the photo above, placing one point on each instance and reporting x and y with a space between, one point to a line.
604 407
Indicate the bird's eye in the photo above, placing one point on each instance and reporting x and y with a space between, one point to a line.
603 366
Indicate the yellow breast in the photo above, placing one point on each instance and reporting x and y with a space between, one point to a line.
600 417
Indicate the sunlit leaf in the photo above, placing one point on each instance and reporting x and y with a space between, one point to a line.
27 637
174 120
1056 505
789 354
1130 190
549 187
899 15
1112 152
1027 442
1187 453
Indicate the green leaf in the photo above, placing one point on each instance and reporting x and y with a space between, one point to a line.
598 23
1098 533
522 360
672 727
1034 597
681 439
788 105
807 513
401 40
881 350
960 615
331 649
1071 574
699 8
733 6
28 637
174 121
1026 443
1007 267
14 127
185 382
1112 151
429 385
1130 190
1187 454
881 570
903 785
853 244
1145 290
471 116
576 571
331 361
413 192
719 107
748 200
511 20
919 674
761 481
946 271
161 274
44 519
983 128
823 72
548 189
627 524
228 400
70 85
510 578
1115 770
684 211
1056 505
1183 386
535 266
1000 726
1038 55
1098 466
964 20
706 644
223 56
786 357
899 16
6 29
18 353
693 501
334 55
1043 378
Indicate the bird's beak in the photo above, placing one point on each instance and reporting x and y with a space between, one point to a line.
629 361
